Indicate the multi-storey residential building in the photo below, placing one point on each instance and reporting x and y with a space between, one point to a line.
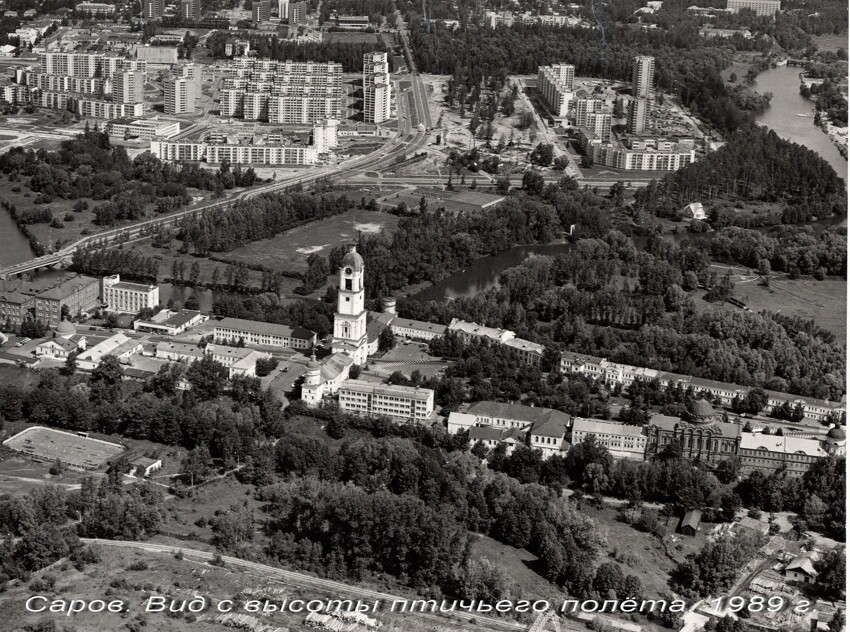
120 296
15 94
288 93
555 84
62 83
637 115
399 402
643 77
261 11
298 13
283 9
273 152
190 10
179 95
87 64
107 109
265 334
128 86
153 9
761 7
74 295
600 124
621 440
586 106
621 157
376 87
99 9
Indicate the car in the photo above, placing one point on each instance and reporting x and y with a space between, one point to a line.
26 340
285 369
19 344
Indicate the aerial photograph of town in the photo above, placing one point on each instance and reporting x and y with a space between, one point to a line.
423 315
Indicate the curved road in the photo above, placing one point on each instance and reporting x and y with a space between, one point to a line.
336 588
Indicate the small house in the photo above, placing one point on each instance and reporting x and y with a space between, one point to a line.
801 569
694 210
690 522
145 466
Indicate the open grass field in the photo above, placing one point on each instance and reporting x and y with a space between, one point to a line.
823 301
289 250
133 576
831 42
19 474
71 449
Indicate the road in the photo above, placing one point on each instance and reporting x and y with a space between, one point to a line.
336 589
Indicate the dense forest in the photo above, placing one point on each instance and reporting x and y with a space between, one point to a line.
607 298
90 167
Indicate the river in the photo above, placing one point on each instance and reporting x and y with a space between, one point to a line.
14 246
782 115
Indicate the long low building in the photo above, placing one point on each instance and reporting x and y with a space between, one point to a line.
528 352
417 329
700 435
725 393
265 334
622 440
399 402
170 323
146 129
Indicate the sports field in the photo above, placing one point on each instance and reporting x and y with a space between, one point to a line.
74 450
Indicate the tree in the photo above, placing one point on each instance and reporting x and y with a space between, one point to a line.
105 379
831 574
207 377
543 154
608 579
386 340
197 465
532 182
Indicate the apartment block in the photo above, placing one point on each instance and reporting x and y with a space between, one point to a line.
637 116
555 84
298 13
585 107
377 89
179 95
261 11
600 124
128 86
761 7
288 93
87 64
643 77
146 129
190 10
399 402
153 9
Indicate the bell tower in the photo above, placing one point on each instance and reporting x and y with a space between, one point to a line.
350 318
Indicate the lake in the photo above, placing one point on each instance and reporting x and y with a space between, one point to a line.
792 117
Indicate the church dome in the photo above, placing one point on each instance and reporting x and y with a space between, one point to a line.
701 410
312 365
836 434
65 329
353 260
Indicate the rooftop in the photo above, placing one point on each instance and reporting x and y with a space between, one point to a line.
363 386
420 325
518 412
257 327
782 444
580 424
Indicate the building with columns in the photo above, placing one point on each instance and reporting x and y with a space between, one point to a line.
350 317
